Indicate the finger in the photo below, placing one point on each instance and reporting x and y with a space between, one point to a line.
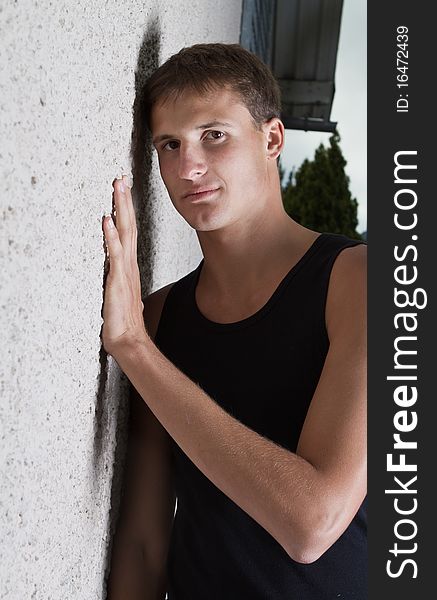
133 221
115 249
124 222
129 202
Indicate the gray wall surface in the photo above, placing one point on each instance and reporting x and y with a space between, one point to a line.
70 77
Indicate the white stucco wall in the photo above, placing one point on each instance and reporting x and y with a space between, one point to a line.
70 75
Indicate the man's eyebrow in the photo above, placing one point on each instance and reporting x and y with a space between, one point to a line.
167 136
213 124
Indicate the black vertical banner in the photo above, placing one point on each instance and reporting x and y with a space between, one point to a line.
402 164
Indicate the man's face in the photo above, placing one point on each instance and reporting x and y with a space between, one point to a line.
212 158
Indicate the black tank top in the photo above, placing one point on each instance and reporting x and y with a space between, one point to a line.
263 370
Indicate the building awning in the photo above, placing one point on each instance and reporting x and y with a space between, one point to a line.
298 39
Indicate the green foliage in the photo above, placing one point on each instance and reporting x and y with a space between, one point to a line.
318 197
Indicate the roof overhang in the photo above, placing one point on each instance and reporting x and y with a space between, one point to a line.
298 39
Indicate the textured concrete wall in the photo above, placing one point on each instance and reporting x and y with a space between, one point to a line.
70 77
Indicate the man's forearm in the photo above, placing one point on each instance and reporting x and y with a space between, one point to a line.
283 492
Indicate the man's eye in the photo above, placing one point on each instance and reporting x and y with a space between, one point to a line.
215 135
172 145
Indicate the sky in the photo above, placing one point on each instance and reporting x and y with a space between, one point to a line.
349 109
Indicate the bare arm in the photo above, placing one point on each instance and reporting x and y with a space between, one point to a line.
304 500
143 530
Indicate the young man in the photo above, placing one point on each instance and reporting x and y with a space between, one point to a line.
250 406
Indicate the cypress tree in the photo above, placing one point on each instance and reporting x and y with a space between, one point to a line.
319 197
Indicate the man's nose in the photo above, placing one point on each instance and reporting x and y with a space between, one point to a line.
192 163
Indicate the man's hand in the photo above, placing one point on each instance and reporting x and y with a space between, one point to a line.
122 309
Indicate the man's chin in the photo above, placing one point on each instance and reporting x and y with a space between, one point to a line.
204 217
210 225
204 225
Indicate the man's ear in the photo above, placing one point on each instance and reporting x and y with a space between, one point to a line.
275 136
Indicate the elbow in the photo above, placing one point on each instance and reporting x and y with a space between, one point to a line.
309 541
305 553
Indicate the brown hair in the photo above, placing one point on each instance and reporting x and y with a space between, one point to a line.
204 68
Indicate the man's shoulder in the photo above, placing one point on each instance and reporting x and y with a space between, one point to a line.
351 259
349 270
346 300
153 305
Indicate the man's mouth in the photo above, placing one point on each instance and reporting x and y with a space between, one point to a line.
200 194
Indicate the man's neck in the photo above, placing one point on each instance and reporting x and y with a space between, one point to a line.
240 259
